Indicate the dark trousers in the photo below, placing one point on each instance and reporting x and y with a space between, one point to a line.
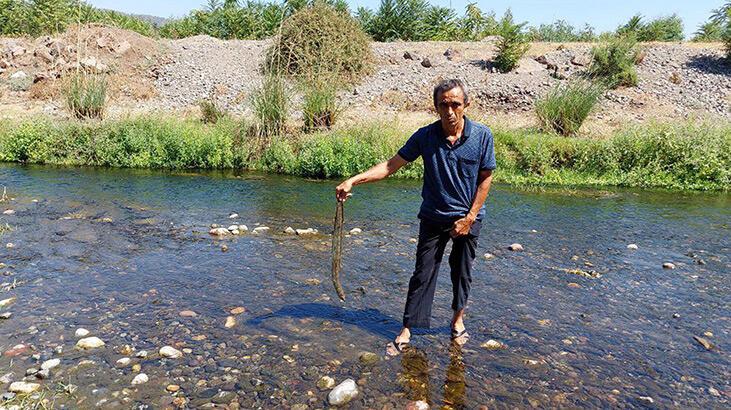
433 238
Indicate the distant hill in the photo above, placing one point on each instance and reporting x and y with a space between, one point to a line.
154 20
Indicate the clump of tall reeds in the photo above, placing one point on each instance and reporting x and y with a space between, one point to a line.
566 106
86 95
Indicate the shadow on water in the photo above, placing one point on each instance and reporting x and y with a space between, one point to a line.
371 320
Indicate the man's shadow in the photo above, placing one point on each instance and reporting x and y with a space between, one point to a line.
370 320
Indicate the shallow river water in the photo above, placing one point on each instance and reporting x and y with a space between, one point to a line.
121 253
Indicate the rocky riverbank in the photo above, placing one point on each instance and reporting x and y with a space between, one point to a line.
677 80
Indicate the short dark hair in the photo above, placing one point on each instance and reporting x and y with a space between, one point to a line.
446 85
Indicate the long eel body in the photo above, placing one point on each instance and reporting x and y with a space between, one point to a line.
338 250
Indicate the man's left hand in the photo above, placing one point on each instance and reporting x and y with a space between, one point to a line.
462 227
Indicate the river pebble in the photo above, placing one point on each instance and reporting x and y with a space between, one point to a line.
703 342
170 352
219 232
188 313
81 332
6 315
23 387
368 358
516 247
343 393
492 345
172 388
237 310
325 382
633 247
233 215
6 302
668 265
304 232
123 362
260 229
140 379
356 231
90 343
230 322
489 256
290 231
50 364
9 212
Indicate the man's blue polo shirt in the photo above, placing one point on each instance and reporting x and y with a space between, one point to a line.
450 171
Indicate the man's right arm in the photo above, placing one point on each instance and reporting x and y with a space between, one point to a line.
375 173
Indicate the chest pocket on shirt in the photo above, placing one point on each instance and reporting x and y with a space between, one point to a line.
468 166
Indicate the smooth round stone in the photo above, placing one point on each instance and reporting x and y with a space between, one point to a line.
23 387
668 265
173 388
633 247
81 332
123 362
140 379
516 247
170 352
343 393
90 343
492 345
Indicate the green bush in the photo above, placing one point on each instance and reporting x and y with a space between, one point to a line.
512 45
271 105
677 156
613 62
565 107
561 31
320 107
86 95
37 17
668 28
320 40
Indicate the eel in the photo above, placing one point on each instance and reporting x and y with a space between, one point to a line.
337 250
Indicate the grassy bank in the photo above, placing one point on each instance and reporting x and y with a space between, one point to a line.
681 156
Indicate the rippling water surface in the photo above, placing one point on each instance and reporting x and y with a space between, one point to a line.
615 339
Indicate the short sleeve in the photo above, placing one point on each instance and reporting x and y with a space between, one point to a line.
488 152
412 149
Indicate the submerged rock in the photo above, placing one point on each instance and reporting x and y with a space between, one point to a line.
260 229
50 364
237 310
23 387
188 313
489 256
230 322
140 379
668 265
493 345
703 342
233 215
290 231
343 393
170 352
325 382
516 247
89 343
6 302
123 362
368 358
356 231
219 232
632 247
81 332
308 231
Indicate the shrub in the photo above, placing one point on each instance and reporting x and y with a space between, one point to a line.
320 107
709 32
321 40
86 95
211 111
565 107
613 62
512 45
561 31
271 105
668 28
20 82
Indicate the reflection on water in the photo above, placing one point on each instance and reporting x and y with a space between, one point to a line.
122 253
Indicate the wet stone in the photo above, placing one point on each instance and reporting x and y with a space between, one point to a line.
89 343
223 397
516 247
81 332
343 393
668 265
8 396
368 358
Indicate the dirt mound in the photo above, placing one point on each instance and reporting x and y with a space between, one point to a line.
126 56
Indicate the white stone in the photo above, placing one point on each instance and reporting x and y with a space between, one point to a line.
308 231
50 364
516 247
233 216
219 231
290 231
233 228
243 228
170 352
123 362
8 212
356 231
23 387
489 256
343 393
6 302
633 247
89 343
20 75
668 265
81 332
230 322
493 345
140 379
260 229
141 354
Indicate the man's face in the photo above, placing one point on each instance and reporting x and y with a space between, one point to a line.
451 106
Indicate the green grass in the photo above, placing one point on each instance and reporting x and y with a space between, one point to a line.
86 95
687 156
565 107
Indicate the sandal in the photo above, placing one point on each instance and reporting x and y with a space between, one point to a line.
456 335
397 347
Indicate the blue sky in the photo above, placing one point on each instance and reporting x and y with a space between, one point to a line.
604 14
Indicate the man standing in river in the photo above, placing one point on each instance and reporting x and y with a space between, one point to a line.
458 159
